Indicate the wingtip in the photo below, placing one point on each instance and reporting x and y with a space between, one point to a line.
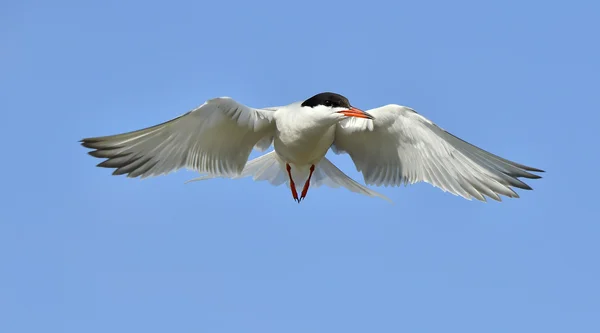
532 175
87 143
94 153
536 170
89 140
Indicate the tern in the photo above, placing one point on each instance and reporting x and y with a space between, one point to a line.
391 145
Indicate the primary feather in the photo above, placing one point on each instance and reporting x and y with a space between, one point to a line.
216 137
400 146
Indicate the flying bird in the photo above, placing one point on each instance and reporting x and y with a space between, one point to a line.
390 145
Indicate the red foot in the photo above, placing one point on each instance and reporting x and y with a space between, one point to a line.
292 184
307 184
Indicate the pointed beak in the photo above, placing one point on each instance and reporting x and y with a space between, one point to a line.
354 112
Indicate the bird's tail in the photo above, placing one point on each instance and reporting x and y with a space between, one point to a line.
266 167
271 168
326 173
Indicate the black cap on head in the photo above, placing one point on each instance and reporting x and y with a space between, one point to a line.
328 99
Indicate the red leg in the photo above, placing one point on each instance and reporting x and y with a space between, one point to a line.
292 184
307 184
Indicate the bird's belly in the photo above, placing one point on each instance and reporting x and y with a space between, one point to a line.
304 147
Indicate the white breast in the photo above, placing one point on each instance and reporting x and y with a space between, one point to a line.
301 138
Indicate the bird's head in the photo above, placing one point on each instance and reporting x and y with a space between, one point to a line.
334 107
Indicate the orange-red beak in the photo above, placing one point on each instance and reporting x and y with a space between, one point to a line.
358 113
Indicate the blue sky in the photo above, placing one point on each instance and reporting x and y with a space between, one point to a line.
83 251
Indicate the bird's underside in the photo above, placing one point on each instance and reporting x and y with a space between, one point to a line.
394 145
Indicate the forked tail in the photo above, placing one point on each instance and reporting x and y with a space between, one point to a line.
271 168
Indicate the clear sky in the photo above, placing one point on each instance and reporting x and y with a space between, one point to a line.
84 251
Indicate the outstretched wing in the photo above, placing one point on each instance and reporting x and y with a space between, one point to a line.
399 146
215 138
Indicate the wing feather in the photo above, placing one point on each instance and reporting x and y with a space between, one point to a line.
400 146
215 138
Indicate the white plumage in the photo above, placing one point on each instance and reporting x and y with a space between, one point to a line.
400 146
391 145
216 137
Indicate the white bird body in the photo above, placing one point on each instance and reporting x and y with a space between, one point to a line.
391 145
300 138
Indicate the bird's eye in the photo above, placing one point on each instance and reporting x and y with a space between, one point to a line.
328 103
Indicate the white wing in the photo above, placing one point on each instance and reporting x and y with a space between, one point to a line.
401 146
216 138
